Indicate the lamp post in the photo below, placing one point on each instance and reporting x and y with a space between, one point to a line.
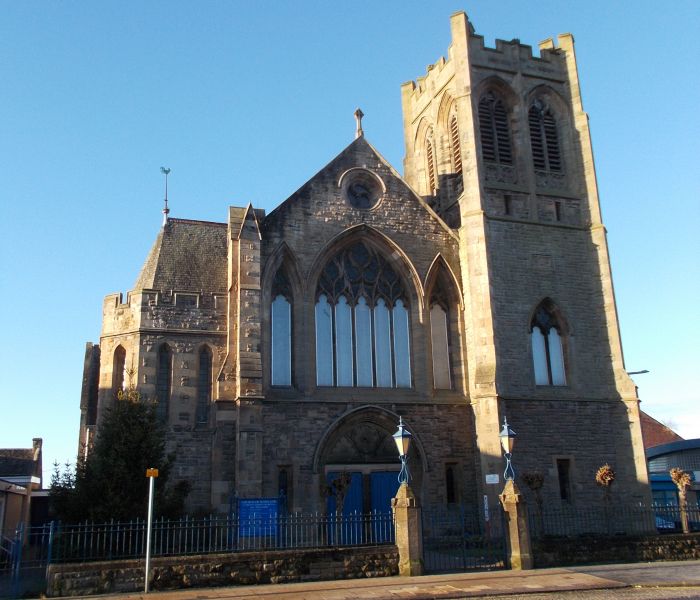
507 436
407 515
151 474
520 553
402 438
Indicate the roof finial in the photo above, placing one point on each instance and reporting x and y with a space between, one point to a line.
166 210
358 117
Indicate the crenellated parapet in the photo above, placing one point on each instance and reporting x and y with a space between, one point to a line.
510 56
459 155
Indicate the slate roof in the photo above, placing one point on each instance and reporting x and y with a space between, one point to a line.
187 256
17 462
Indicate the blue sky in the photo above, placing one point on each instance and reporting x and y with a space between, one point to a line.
245 101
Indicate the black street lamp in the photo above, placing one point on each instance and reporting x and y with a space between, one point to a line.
507 436
402 437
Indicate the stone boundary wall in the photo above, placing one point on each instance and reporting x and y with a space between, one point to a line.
211 570
562 551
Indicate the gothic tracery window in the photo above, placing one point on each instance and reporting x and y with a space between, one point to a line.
547 348
495 131
281 316
544 138
362 324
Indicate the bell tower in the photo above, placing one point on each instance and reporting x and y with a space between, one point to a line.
497 142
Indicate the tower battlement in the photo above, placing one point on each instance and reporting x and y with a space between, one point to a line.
509 55
146 309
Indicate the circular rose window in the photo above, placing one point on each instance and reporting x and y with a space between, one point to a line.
361 188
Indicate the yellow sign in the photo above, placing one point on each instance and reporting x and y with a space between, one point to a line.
151 472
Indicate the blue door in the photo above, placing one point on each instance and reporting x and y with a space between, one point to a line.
384 485
353 494
346 528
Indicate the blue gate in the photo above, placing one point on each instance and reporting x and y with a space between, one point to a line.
24 555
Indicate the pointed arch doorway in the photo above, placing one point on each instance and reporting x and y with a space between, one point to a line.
359 464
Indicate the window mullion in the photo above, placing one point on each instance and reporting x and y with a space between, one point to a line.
333 344
548 358
392 347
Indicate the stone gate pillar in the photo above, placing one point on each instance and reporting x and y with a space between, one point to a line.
409 531
518 533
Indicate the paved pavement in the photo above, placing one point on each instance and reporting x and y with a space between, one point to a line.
639 580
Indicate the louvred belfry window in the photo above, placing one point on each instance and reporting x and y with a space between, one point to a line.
456 149
495 131
362 322
430 158
544 138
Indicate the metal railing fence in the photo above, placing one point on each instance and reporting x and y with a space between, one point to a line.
609 520
216 533
455 539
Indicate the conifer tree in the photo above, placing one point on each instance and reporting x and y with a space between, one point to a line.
111 482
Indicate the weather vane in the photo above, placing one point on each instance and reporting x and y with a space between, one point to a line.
166 210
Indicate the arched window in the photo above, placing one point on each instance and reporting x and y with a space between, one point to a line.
495 132
281 338
362 324
544 138
440 341
204 385
430 163
119 377
456 148
163 382
547 348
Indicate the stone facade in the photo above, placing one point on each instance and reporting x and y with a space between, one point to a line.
472 245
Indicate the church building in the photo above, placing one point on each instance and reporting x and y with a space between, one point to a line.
281 349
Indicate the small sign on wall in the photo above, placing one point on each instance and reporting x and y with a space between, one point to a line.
486 508
257 516
492 478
